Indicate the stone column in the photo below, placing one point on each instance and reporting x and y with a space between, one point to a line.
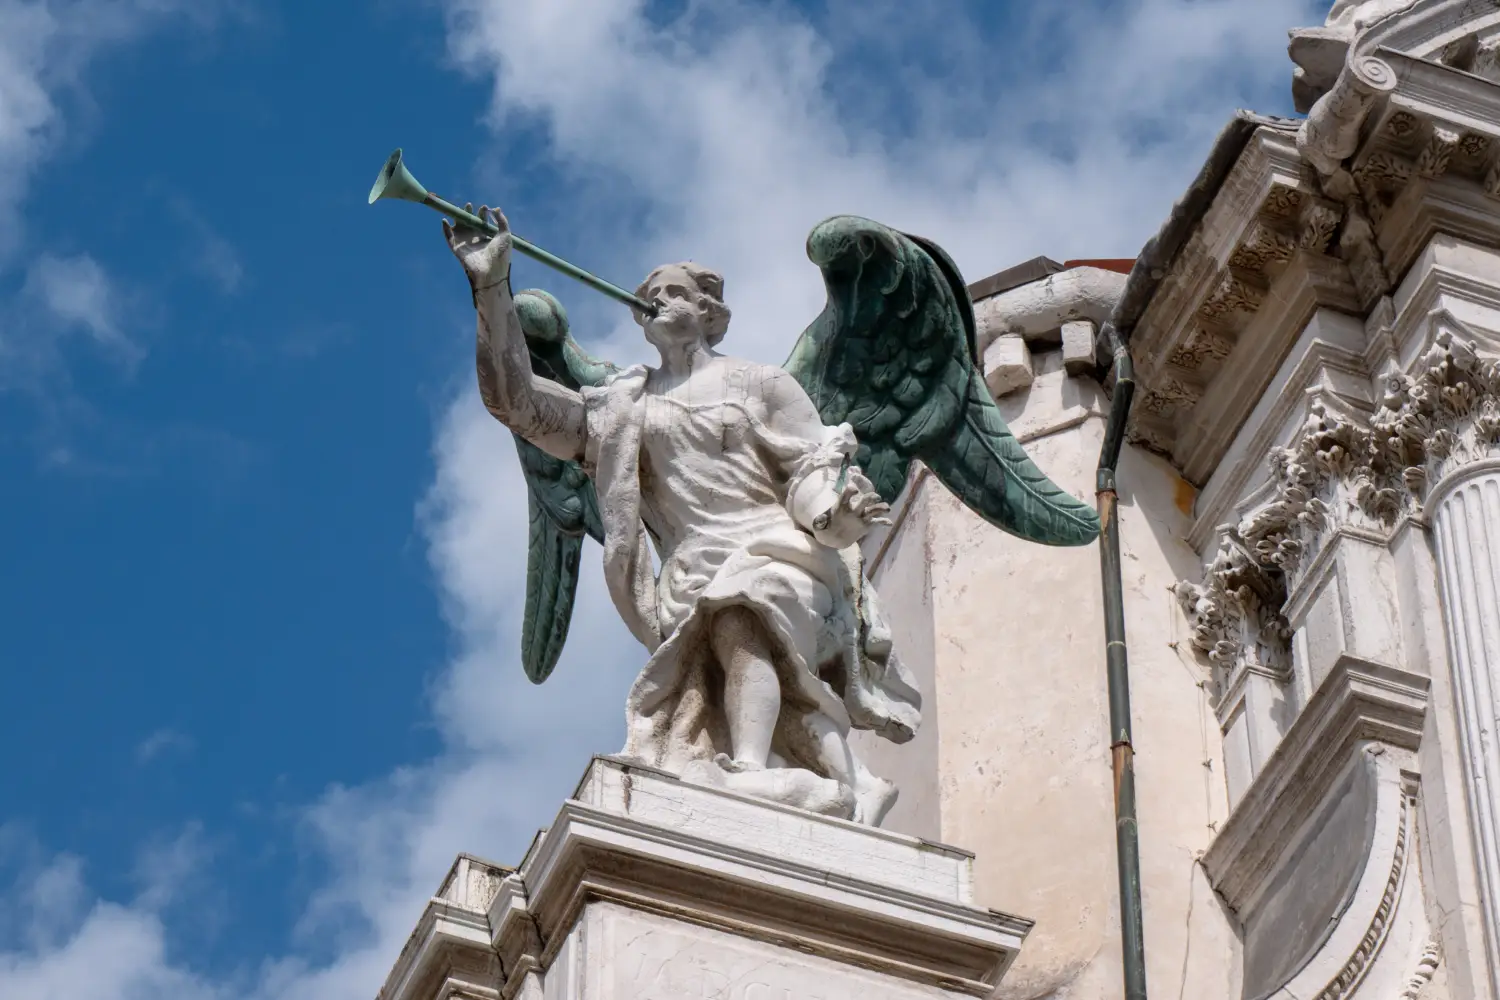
1465 514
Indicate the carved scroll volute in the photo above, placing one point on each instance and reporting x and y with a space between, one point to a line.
1330 134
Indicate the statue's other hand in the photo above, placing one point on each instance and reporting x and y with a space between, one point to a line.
485 257
862 501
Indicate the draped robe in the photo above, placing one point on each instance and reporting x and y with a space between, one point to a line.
715 489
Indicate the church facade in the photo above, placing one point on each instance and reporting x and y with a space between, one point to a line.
1310 536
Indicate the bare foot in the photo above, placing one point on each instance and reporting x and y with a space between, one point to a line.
733 766
873 799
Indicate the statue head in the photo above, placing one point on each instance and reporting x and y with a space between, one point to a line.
690 304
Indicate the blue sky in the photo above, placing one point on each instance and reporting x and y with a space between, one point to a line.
263 548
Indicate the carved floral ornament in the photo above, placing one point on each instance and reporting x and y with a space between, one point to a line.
1342 471
1235 613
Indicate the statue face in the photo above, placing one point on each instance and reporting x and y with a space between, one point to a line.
680 307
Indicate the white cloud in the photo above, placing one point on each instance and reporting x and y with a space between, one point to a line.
44 47
73 944
160 742
730 139
78 295
209 254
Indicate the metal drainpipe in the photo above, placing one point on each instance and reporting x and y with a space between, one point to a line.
1122 753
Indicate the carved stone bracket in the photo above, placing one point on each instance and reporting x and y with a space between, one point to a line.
1319 221
1205 347
1438 151
1170 395
1238 289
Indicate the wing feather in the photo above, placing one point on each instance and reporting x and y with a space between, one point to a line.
561 502
893 354
551 585
987 466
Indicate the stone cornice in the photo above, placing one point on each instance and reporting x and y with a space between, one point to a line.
448 935
1403 148
1268 175
1309 281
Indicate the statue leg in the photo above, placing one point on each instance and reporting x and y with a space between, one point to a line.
752 691
830 747
873 795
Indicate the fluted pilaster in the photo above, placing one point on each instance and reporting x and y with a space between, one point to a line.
1466 529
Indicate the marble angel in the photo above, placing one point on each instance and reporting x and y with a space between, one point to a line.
753 485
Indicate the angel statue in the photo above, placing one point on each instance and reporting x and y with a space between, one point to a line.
753 485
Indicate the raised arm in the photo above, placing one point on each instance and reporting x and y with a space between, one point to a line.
548 415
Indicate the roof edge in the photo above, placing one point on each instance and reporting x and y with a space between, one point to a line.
1156 258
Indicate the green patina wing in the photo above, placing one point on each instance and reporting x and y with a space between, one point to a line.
893 354
562 505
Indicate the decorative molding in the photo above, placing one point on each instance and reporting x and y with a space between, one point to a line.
1262 247
1235 617
1170 395
1203 348
1326 479
1435 156
1319 221
1236 291
1442 415
1427 967
1401 126
1353 973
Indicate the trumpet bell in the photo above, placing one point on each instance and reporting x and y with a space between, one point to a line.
395 181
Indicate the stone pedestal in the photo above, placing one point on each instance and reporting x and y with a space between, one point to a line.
648 887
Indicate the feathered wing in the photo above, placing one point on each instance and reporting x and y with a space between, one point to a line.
893 354
562 509
562 505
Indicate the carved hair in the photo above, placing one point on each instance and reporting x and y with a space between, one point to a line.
710 285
